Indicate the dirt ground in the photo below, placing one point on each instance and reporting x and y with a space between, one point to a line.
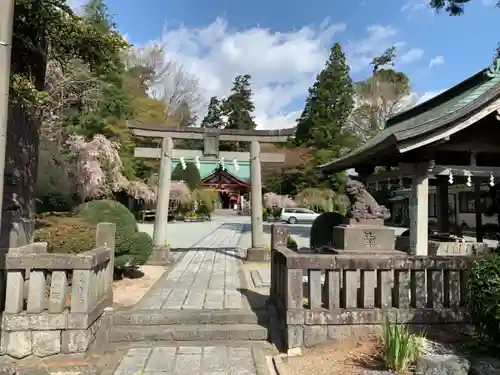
343 358
128 291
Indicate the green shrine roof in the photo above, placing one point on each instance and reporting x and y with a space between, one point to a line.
209 166
432 117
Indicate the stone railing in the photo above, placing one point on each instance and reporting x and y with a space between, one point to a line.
325 296
53 302
446 247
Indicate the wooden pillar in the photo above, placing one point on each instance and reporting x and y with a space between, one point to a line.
419 210
478 209
443 217
163 193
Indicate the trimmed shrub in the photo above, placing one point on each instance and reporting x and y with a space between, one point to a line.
322 229
99 211
65 234
132 247
484 298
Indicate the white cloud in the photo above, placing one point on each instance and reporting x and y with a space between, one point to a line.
438 60
414 5
282 64
412 55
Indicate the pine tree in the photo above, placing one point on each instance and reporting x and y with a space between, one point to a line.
327 108
238 107
213 118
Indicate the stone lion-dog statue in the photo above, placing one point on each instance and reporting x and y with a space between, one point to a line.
362 205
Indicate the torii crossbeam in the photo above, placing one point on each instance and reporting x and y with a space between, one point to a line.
211 138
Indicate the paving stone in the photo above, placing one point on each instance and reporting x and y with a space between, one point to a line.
215 359
190 350
161 359
187 364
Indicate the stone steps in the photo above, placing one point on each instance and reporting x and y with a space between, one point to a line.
188 325
181 332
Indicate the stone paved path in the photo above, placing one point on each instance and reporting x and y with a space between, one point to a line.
205 278
208 360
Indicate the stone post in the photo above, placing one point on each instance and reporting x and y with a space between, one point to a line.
419 210
161 252
258 251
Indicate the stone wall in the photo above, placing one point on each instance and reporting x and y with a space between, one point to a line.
53 302
322 296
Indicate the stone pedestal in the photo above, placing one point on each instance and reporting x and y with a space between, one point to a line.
370 237
161 255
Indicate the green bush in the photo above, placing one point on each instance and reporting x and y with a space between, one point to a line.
484 298
322 229
127 254
99 211
65 234
132 249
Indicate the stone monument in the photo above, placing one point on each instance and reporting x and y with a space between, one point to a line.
364 228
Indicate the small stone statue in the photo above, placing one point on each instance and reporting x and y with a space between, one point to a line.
363 206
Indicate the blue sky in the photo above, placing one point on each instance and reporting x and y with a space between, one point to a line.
284 44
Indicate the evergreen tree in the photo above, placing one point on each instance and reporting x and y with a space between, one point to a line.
327 109
238 107
190 175
96 11
213 118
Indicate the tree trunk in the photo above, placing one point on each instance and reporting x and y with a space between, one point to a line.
21 161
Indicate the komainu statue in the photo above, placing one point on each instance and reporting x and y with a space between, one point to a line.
363 206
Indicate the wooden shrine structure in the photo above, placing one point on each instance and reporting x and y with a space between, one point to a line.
452 138
211 138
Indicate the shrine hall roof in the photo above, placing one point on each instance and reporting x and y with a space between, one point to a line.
425 123
207 167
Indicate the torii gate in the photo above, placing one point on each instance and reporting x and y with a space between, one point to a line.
211 138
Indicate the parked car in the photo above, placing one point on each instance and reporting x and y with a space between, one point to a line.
298 215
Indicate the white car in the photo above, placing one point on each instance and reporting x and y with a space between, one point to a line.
298 215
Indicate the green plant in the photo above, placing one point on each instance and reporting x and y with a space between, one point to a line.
65 234
401 348
322 229
290 242
484 297
141 246
98 211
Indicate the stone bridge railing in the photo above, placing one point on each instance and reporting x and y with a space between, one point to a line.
53 302
325 296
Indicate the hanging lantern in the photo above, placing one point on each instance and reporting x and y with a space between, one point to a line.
222 165
492 180
197 162
450 177
235 164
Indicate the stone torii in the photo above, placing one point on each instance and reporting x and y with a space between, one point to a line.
211 138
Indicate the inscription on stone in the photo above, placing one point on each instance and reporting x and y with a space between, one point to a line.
369 239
